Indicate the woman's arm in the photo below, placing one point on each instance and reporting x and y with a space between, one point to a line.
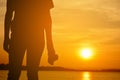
48 30
7 24
52 56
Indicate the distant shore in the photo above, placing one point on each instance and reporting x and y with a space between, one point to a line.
57 68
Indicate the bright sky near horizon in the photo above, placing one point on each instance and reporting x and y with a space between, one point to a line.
78 24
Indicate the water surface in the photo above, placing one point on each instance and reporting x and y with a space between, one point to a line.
67 75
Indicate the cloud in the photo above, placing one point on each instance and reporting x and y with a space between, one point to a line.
111 8
2 13
108 7
115 41
2 3
2 10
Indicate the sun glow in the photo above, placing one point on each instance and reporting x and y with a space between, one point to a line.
86 76
86 53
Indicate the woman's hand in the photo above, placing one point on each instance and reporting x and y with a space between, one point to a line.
6 44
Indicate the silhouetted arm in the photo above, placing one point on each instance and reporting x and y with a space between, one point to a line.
48 29
52 56
51 5
7 24
50 47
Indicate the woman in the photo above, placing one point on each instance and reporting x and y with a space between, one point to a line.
27 20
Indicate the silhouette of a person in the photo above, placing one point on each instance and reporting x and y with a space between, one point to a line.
25 23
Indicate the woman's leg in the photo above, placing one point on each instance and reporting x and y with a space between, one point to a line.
34 53
16 54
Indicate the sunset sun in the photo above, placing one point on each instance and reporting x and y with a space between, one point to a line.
86 53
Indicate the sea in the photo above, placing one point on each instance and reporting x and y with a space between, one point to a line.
68 75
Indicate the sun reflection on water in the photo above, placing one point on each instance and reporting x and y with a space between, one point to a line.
86 76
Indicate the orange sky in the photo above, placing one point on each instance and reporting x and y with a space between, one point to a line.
78 24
